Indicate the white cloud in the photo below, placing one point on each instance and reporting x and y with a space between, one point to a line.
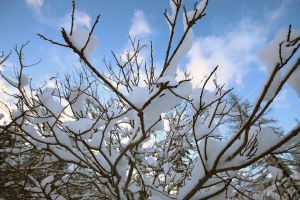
139 26
35 3
236 51
4 87
5 64
281 101
81 19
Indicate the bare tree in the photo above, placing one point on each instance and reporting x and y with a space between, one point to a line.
137 131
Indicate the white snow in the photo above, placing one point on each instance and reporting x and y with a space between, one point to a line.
294 80
171 81
22 80
202 129
62 137
139 95
180 54
197 173
47 180
77 100
275 172
79 38
273 87
171 15
95 141
194 13
166 124
151 161
164 102
207 97
57 197
33 189
271 54
63 153
79 126
290 143
161 103
266 139
46 97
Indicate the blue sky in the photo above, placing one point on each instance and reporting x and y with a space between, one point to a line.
230 35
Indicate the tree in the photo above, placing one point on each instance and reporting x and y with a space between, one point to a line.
139 131
272 176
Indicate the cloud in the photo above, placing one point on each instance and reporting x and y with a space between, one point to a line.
236 51
81 19
5 64
139 26
35 3
39 14
4 87
281 101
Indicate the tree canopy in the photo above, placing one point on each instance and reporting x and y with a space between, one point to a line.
142 131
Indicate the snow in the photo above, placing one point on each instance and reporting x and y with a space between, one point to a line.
171 81
49 159
1 116
213 149
35 136
166 124
33 189
80 126
160 104
166 168
294 80
95 141
151 161
158 196
164 102
273 87
63 153
261 139
266 139
22 80
46 97
139 95
47 180
271 54
196 174
201 6
193 14
275 172
180 54
172 14
290 143
207 97
79 38
122 168
57 197
202 128
62 137
77 100
184 89
9 183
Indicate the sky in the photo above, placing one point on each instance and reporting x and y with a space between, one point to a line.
230 35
